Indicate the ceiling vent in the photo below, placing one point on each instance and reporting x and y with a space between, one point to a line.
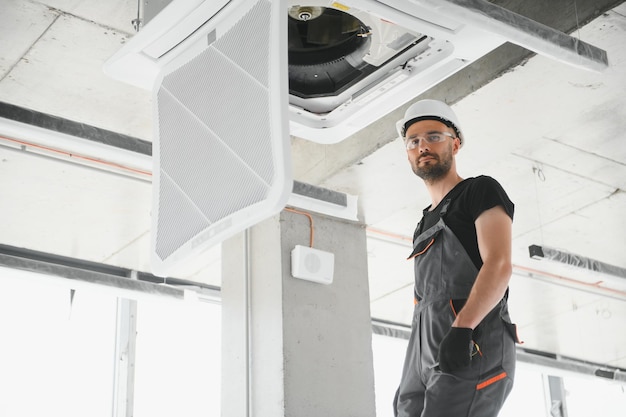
352 62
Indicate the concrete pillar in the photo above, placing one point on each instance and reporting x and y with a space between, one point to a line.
293 347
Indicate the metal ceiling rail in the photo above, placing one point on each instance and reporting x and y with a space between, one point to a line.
578 261
571 365
125 282
74 129
528 33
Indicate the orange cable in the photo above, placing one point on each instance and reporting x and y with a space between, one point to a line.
389 234
77 156
571 280
310 221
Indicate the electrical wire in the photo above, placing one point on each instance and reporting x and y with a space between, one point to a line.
595 285
389 234
84 158
310 222
538 173
577 20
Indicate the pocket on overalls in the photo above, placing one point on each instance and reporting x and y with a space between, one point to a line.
422 247
511 329
492 388
455 306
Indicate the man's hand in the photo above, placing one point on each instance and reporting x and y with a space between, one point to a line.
455 351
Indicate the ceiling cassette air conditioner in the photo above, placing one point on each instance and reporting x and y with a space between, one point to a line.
354 61
398 49
221 151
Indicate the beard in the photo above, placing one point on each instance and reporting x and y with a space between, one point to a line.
434 169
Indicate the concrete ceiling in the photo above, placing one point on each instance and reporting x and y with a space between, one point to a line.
550 133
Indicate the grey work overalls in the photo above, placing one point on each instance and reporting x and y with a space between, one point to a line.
444 275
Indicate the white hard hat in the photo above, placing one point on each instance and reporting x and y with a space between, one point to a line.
430 110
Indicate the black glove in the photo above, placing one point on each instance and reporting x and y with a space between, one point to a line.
455 350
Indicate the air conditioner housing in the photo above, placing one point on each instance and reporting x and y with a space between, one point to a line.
412 45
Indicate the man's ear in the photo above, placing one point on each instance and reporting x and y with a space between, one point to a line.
456 145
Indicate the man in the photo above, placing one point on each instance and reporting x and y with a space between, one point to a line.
461 355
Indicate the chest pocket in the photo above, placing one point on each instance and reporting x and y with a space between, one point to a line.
422 247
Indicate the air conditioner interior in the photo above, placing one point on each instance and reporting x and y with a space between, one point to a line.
333 54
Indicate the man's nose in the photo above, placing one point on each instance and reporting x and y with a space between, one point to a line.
422 145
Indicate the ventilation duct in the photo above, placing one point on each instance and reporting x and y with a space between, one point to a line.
577 261
352 62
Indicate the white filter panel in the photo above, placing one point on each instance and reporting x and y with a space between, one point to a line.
221 151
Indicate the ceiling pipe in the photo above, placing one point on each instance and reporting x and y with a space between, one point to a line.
563 365
556 279
117 281
544 252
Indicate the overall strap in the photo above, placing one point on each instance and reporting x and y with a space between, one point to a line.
444 209
451 196
446 203
418 230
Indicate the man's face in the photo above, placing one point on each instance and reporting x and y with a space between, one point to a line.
430 161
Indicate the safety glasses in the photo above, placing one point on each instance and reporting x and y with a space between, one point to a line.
413 141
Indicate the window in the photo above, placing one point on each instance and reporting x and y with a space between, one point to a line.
57 352
56 355
178 371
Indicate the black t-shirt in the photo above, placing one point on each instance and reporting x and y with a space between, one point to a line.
470 198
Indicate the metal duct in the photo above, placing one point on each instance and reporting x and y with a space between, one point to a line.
543 252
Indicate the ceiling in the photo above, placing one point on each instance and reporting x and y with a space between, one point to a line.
551 134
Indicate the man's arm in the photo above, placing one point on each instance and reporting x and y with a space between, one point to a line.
493 230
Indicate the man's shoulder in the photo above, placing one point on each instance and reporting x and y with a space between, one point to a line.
482 193
478 183
482 181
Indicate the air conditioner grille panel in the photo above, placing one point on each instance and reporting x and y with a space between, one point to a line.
221 144
252 25
186 138
175 205
220 106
